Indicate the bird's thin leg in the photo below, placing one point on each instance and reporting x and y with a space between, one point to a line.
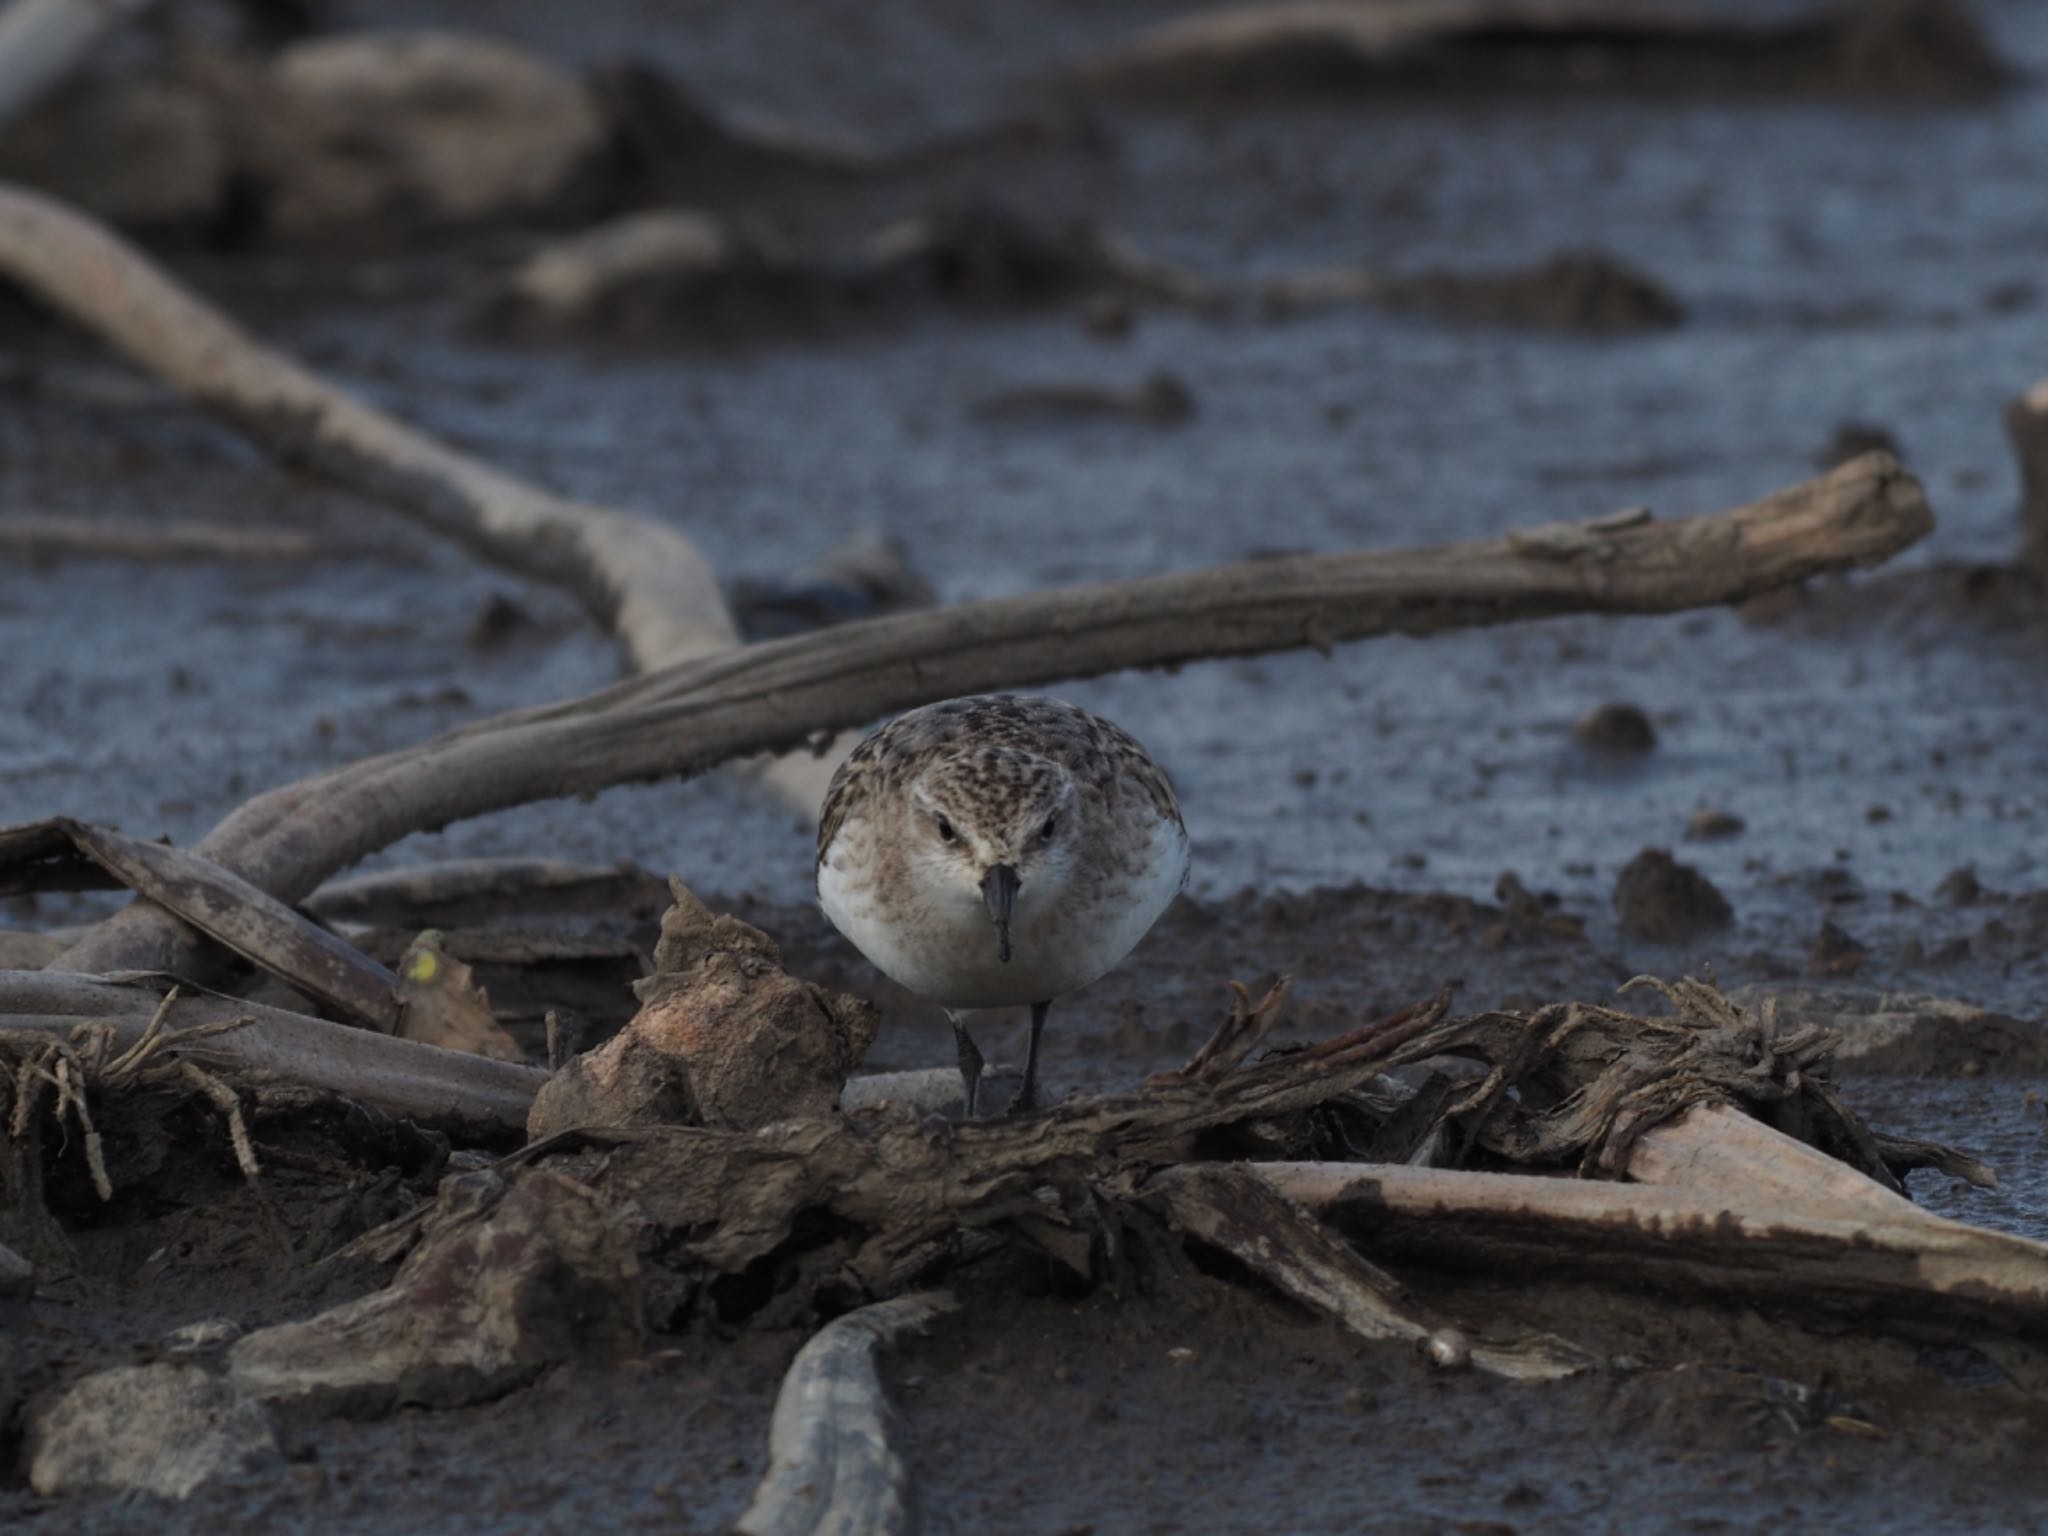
1027 1095
970 1063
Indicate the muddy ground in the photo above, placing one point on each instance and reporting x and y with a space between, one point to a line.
1839 260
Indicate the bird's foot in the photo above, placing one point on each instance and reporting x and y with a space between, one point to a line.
1024 1101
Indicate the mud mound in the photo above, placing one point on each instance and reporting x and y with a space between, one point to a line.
1892 48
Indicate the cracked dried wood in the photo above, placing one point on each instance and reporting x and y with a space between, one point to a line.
832 1469
778 695
1744 1232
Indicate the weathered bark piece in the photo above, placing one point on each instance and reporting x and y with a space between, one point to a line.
1897 1263
442 1003
724 1038
503 1284
163 1429
2026 428
782 694
1888 47
1244 1215
471 1095
832 1469
220 904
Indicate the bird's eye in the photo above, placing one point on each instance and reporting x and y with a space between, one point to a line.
946 832
1052 825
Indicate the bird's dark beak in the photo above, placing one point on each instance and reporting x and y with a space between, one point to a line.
999 890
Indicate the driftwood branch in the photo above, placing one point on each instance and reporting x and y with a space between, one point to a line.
832 1469
1905 1266
220 904
779 695
475 1095
1235 1209
642 580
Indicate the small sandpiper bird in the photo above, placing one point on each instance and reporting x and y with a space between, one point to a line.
994 851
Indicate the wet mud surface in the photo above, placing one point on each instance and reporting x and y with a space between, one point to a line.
1856 261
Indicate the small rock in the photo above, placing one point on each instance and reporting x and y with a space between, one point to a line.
1447 1349
1711 823
496 622
1161 399
1656 897
1580 292
413 128
163 1429
1109 316
1960 888
1834 953
1620 728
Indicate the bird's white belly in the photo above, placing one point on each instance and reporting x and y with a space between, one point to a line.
945 948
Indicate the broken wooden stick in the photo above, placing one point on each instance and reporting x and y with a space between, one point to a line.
25 536
778 695
832 1467
1233 1208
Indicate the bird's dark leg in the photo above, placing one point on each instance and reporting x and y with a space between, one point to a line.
970 1063
1027 1095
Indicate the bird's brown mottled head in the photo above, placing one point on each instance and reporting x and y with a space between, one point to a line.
987 820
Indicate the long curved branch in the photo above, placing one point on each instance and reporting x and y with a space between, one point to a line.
642 580
779 695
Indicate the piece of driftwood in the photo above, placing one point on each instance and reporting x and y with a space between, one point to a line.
643 580
833 1469
1233 1208
724 1037
2026 428
1799 1250
217 902
901 1190
778 695
474 1096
